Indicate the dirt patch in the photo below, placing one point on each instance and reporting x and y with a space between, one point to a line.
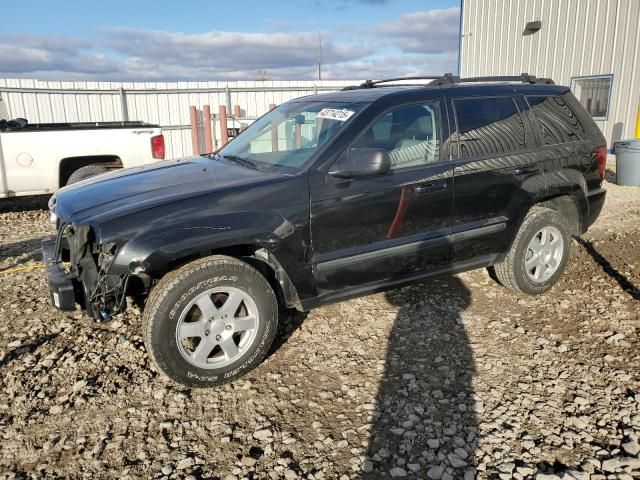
454 378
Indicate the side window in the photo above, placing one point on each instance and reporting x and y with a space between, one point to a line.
488 126
557 121
411 135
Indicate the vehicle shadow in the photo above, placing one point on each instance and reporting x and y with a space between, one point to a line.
24 204
28 250
290 320
610 270
424 420
610 176
26 348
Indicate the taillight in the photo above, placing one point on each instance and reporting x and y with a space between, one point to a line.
157 147
601 157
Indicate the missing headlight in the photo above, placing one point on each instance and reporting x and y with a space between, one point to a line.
53 219
106 254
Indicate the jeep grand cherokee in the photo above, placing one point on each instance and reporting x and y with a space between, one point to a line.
325 198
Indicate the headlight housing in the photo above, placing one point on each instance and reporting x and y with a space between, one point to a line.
53 219
106 254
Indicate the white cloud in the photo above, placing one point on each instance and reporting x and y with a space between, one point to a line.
424 32
26 54
226 51
416 43
394 66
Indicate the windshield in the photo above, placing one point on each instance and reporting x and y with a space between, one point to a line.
289 135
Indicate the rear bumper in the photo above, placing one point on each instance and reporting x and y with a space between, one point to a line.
61 289
595 198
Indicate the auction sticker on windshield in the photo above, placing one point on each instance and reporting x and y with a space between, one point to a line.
342 115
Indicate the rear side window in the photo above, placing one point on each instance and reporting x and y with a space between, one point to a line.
558 123
488 126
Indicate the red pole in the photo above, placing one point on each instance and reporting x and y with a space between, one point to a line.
274 137
222 112
274 132
208 141
195 141
298 136
236 111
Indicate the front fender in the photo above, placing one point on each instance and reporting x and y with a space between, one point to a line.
160 245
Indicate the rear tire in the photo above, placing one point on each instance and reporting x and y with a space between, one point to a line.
210 321
86 172
538 255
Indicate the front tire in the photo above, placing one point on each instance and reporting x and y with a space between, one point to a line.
210 321
538 255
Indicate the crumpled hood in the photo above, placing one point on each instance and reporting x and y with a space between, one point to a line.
129 190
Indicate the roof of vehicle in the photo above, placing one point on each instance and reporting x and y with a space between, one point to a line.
367 93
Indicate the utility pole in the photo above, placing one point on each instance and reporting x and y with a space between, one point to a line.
319 55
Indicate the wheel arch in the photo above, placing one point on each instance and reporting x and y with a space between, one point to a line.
71 164
262 260
567 194
572 206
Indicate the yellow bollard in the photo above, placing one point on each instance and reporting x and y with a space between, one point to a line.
638 123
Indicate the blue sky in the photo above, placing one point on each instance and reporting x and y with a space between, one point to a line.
214 40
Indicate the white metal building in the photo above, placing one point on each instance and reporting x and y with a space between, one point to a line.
591 45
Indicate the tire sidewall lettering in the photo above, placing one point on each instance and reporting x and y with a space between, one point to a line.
202 285
181 293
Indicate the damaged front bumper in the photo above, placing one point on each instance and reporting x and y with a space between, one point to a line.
61 288
85 282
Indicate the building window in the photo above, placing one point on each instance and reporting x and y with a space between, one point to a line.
594 94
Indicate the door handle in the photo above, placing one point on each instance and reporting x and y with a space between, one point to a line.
527 169
430 187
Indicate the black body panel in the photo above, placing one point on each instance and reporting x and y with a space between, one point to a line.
330 238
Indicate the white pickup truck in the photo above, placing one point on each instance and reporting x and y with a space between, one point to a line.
40 158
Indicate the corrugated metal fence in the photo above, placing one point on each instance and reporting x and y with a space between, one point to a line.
163 103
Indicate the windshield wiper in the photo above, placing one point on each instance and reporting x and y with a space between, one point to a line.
242 161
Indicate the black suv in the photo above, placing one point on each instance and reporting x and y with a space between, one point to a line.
325 198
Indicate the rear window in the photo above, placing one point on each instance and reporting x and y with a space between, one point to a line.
558 123
488 126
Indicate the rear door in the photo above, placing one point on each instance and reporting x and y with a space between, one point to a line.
497 174
565 146
379 230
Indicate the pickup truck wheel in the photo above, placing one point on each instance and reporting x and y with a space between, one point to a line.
210 321
86 172
538 255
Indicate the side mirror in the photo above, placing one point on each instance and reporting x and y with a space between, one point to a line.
363 162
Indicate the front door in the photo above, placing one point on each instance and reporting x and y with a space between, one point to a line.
376 231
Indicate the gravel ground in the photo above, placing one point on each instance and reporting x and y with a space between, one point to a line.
455 378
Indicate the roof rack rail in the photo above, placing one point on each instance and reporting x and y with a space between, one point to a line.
374 83
448 79
451 79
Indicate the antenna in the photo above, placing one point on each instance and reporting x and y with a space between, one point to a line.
319 55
